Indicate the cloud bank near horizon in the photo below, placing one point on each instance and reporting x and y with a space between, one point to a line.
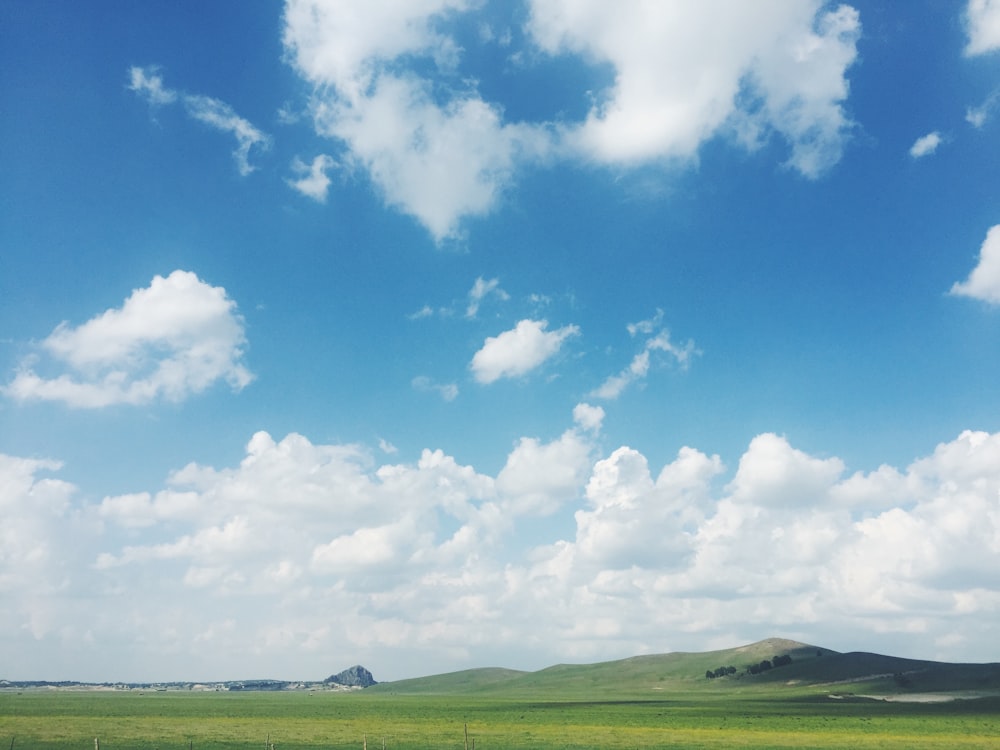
317 548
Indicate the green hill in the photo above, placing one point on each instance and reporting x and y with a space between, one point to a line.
791 666
468 680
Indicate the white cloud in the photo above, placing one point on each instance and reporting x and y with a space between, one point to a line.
447 391
978 116
436 163
588 417
984 281
389 89
771 472
925 145
983 26
424 312
367 548
539 477
686 72
175 338
518 351
221 116
148 83
638 368
314 181
435 160
30 538
303 548
480 289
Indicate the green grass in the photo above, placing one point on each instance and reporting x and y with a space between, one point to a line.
659 701
59 720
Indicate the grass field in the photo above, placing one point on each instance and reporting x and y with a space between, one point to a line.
656 701
59 720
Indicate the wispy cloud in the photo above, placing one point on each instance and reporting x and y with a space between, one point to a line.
447 391
638 368
219 115
978 116
148 83
480 289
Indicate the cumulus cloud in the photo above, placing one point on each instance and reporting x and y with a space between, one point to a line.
772 472
303 547
638 368
925 145
313 181
518 351
435 160
687 72
172 339
983 26
148 83
538 477
390 89
984 281
33 508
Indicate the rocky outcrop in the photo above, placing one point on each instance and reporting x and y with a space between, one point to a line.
356 676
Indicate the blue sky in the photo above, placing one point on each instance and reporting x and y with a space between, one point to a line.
430 335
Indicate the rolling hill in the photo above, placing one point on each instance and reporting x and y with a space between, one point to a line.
801 668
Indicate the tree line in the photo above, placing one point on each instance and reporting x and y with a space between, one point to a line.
763 666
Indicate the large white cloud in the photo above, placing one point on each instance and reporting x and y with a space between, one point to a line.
304 550
518 351
684 72
983 26
172 339
390 87
438 161
984 281
538 477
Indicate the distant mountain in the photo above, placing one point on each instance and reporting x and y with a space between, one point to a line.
356 676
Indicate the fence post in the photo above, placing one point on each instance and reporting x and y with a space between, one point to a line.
466 737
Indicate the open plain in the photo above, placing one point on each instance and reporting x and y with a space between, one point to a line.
821 699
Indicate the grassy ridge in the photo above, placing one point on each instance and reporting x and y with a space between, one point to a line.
812 670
